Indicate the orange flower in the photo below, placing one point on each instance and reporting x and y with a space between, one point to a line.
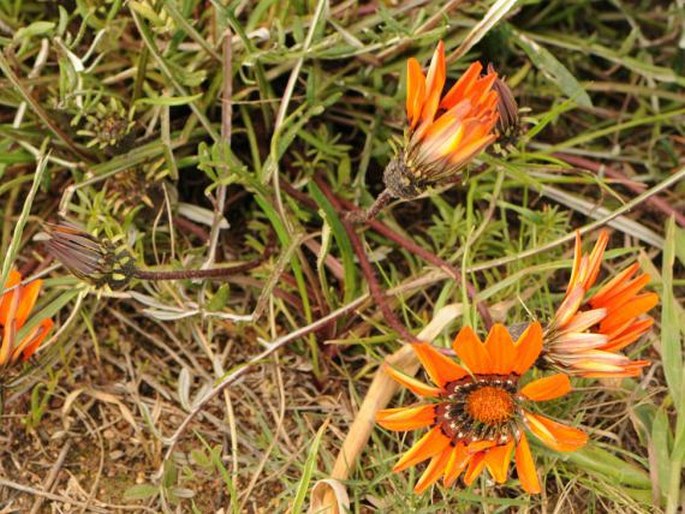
476 416
445 132
585 335
15 307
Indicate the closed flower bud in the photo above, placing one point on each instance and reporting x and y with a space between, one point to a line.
98 262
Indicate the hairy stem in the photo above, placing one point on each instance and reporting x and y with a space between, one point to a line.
148 274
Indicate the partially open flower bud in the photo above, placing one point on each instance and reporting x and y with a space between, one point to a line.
445 131
96 261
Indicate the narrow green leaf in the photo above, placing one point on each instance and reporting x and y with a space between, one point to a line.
308 470
346 252
141 492
37 28
553 69
680 244
496 12
21 221
595 460
659 448
171 101
47 312
220 298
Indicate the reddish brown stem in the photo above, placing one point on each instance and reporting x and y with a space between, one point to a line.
191 227
148 274
656 202
369 214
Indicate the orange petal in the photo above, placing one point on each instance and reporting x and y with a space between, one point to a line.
416 91
525 467
576 342
432 443
584 320
625 292
575 267
471 351
528 348
9 332
501 349
476 465
435 81
632 309
406 418
433 472
607 290
595 261
479 446
465 83
547 388
415 386
440 368
632 369
459 458
447 144
13 279
29 295
555 435
444 128
628 336
483 88
32 341
469 151
497 461
569 307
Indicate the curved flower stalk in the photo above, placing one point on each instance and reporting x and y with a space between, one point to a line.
586 335
15 308
477 412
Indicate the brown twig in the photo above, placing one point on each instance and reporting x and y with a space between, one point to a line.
374 287
52 476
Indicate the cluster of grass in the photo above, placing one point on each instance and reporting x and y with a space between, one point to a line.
117 115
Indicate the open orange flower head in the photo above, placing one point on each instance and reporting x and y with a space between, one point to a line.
586 335
445 131
477 411
15 307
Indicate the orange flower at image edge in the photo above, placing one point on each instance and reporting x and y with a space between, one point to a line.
586 335
476 420
15 307
445 132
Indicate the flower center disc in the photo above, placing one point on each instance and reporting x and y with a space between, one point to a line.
490 405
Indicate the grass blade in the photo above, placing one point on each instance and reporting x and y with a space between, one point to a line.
308 470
